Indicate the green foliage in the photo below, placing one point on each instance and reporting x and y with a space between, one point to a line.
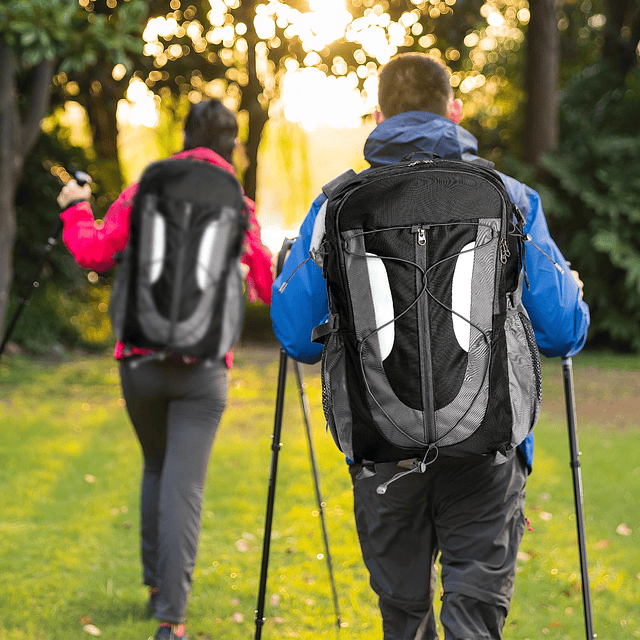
591 193
64 29
111 36
66 309
36 30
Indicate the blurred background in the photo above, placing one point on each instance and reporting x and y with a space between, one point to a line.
551 89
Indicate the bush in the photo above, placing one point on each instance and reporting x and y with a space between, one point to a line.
66 309
590 189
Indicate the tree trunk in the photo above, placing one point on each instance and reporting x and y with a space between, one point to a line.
543 58
258 116
100 96
16 140
621 51
8 132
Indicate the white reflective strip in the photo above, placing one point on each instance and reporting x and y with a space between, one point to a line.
461 295
157 247
382 303
203 271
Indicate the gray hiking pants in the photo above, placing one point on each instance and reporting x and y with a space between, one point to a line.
469 512
175 409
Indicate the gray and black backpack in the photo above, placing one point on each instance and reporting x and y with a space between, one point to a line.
428 349
179 286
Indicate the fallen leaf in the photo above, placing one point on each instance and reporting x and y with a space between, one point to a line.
85 620
91 629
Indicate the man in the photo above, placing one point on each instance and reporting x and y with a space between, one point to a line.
465 509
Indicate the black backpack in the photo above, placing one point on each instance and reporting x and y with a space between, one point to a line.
428 350
179 285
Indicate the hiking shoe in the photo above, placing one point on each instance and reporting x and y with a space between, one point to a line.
170 632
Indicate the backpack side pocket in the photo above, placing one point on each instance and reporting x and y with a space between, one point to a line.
525 373
335 396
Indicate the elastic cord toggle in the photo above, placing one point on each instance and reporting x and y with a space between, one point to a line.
418 467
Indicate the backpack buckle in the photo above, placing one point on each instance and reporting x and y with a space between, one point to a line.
320 333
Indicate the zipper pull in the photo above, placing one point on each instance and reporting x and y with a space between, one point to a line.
504 251
528 238
415 162
422 238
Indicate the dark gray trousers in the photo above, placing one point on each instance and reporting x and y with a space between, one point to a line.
175 409
469 512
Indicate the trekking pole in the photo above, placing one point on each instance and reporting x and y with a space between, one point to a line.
275 450
321 503
81 178
567 371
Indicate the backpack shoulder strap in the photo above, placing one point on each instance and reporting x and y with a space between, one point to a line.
487 164
332 185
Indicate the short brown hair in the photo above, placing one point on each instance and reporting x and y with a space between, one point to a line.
414 82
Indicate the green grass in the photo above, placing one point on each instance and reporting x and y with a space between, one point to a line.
69 474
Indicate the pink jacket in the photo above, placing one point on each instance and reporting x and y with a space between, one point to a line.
95 246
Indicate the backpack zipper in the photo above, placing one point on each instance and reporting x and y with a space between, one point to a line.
424 336
179 272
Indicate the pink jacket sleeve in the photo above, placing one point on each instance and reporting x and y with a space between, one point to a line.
94 245
258 258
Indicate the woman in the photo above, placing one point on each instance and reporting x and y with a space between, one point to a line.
175 406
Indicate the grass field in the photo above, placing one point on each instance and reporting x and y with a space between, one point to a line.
69 473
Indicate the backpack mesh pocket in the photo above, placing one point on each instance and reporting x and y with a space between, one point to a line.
335 397
535 355
525 374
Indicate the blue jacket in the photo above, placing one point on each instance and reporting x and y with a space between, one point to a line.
559 317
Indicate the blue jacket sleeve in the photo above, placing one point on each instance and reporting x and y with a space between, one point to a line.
299 301
559 316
